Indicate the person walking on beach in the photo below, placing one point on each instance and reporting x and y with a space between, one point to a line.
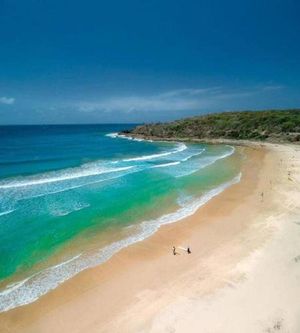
174 250
188 250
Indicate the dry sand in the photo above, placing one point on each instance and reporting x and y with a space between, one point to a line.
243 274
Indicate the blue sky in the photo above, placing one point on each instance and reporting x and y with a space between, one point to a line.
139 61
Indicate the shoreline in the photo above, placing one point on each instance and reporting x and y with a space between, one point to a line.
233 142
44 281
115 294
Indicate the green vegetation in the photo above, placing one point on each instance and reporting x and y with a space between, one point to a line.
270 125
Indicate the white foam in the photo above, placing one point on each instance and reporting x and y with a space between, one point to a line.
164 165
17 286
77 186
31 288
112 135
192 155
62 212
180 147
184 199
205 163
194 205
68 174
66 262
116 135
86 170
14 286
122 136
7 212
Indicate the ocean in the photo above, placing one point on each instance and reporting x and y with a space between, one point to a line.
73 196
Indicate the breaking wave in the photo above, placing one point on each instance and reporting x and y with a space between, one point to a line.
30 289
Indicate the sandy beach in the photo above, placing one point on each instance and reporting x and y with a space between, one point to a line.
242 276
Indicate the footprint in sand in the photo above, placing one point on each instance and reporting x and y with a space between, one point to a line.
276 327
297 259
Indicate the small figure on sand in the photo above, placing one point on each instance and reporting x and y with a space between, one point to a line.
188 250
262 196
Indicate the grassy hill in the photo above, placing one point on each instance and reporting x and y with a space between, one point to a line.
269 125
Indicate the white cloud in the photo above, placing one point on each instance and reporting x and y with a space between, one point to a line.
187 99
190 92
7 100
174 100
272 87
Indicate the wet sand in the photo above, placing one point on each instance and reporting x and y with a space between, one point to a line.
242 275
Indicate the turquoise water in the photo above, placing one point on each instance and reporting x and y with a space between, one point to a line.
72 196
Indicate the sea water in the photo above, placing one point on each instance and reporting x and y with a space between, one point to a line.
73 196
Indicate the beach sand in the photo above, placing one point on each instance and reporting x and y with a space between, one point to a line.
243 274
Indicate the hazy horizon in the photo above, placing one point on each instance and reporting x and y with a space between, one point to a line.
139 123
